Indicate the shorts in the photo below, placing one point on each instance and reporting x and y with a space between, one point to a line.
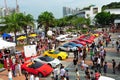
10 78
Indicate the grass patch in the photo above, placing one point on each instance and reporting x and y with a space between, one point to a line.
1 65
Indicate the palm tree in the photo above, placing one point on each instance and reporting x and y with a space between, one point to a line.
12 24
46 19
27 21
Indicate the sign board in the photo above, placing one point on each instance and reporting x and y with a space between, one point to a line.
30 50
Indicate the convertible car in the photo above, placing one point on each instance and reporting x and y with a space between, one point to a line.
48 60
56 54
37 68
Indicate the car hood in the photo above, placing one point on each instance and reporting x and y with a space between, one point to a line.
79 45
45 69
55 62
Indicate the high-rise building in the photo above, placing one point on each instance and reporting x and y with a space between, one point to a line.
69 11
86 13
9 11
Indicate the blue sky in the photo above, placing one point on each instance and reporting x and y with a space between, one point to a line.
35 7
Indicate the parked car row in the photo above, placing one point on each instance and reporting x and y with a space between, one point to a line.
43 65
79 42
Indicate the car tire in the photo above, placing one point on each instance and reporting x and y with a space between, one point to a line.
60 49
59 57
40 75
49 64
66 57
70 50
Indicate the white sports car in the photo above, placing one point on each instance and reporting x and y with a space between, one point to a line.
46 59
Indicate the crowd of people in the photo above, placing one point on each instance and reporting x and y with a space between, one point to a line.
98 55
96 51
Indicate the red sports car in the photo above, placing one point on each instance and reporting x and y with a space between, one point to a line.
37 68
92 37
79 42
89 41
83 36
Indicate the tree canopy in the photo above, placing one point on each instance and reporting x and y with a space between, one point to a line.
104 18
112 5
16 22
12 23
46 19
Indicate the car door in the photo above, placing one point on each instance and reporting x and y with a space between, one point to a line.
31 70
50 54
54 55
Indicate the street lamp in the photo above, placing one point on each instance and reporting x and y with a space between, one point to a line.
6 9
17 6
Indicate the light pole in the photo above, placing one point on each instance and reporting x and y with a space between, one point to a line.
6 9
17 6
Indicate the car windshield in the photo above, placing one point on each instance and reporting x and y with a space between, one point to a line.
66 46
35 65
56 52
72 43
46 58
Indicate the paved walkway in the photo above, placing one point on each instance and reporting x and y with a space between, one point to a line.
111 54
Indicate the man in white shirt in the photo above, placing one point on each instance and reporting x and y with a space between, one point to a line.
56 72
98 64
113 43
31 77
62 72
36 77
9 74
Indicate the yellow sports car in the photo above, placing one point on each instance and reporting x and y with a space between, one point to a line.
96 35
56 54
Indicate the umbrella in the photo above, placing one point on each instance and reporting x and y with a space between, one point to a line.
32 35
6 35
21 38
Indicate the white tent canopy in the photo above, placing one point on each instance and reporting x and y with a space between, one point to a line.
5 44
117 21
105 78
